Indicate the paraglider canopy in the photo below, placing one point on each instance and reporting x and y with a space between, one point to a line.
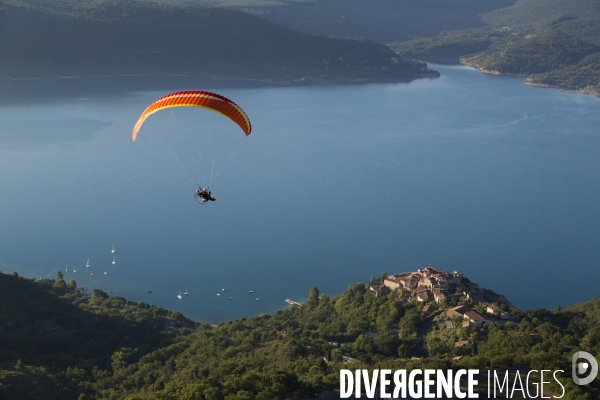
197 98
219 158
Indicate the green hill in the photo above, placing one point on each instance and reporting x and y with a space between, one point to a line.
52 337
42 39
57 343
552 42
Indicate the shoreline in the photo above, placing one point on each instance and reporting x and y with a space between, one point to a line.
526 82
22 88
217 78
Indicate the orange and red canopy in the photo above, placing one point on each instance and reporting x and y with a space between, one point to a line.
196 98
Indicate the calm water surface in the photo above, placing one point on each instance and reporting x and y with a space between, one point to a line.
471 172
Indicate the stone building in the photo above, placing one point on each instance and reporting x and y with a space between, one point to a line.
379 290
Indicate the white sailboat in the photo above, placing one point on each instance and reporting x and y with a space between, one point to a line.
74 271
105 273
87 264
114 262
113 249
179 295
186 293
67 269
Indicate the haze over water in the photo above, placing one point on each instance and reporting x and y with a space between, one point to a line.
336 183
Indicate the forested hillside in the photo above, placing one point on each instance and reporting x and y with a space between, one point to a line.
56 343
383 21
535 14
52 338
553 43
41 39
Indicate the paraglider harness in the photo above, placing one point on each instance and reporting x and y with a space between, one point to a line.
203 196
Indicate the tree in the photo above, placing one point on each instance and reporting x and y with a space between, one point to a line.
409 348
364 343
100 293
558 309
60 283
387 343
177 316
313 297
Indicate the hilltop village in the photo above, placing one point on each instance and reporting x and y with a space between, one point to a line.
441 289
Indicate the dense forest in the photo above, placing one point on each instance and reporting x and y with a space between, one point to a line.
59 343
551 42
42 39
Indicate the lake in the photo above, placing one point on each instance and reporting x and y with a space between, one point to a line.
336 184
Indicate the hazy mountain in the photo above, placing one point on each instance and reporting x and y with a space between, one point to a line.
109 37
383 21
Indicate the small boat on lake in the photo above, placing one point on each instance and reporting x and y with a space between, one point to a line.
114 262
186 293
179 295
250 291
113 251
87 264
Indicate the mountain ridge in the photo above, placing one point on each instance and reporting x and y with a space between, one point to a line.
116 37
379 20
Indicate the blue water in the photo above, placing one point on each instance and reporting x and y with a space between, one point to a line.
336 184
